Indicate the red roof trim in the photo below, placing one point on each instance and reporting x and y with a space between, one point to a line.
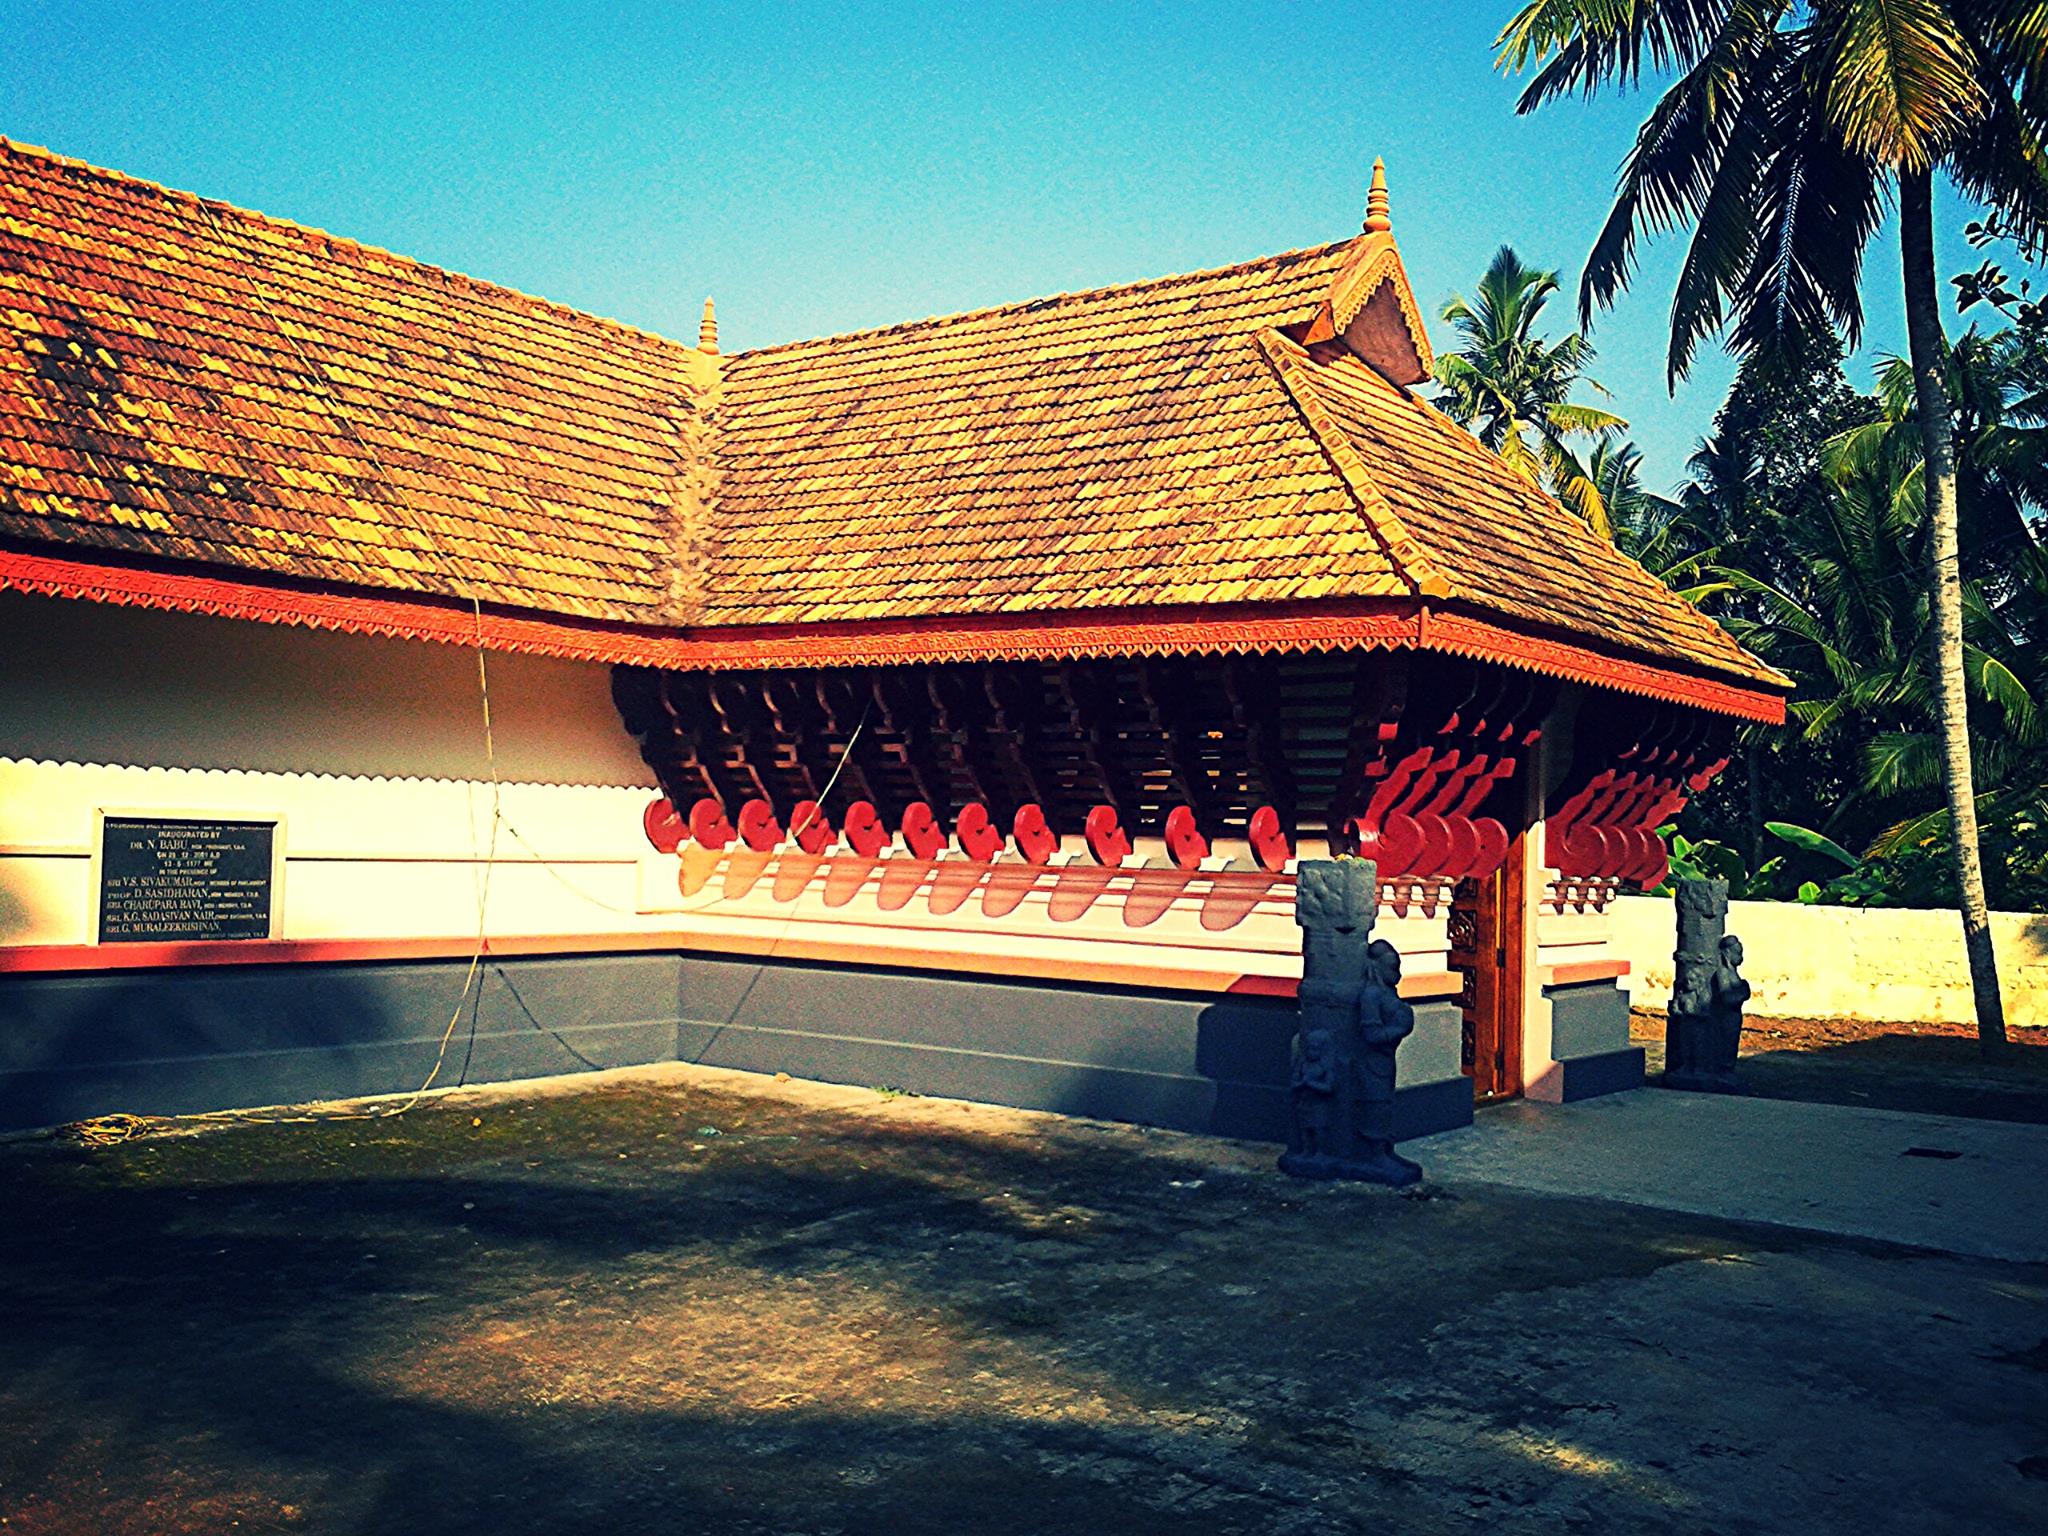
1355 624
448 620
1463 635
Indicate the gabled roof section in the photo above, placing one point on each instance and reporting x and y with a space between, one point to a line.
184 380
1127 446
1371 309
1493 541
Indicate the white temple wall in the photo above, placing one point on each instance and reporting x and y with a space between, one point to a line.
1891 965
369 752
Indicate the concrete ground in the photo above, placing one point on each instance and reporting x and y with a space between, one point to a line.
1932 1181
681 1300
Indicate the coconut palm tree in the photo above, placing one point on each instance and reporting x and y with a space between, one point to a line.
1512 390
1853 632
1789 126
1652 530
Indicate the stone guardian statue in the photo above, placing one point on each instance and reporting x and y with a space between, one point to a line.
1703 1031
1352 1021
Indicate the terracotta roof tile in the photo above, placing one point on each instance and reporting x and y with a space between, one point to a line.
1135 430
191 381
1503 545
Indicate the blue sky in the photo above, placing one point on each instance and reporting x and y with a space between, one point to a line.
822 168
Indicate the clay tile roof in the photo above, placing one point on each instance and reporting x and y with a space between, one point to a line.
314 424
186 380
1098 450
1497 542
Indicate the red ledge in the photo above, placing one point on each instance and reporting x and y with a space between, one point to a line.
1576 971
1353 624
60 958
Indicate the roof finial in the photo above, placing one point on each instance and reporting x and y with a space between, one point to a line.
707 332
1377 220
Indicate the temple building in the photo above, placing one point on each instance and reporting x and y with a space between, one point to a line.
410 679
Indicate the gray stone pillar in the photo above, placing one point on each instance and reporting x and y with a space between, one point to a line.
1352 1020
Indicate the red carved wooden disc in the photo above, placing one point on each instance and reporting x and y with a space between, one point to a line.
865 834
1464 847
708 825
1108 843
1648 865
758 828
1400 845
1609 850
922 834
1035 839
663 824
1184 841
977 835
1268 840
1490 849
1438 846
811 827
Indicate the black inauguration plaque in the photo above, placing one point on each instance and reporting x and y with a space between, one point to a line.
164 879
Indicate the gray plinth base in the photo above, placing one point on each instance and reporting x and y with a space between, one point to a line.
1586 1077
1378 1168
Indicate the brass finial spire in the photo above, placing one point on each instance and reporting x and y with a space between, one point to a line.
707 332
1377 220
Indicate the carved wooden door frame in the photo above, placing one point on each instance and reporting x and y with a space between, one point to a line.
1488 945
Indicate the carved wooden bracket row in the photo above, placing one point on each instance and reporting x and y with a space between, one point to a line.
972 758
1635 766
1435 762
1418 762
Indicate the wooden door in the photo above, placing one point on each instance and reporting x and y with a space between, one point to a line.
1486 931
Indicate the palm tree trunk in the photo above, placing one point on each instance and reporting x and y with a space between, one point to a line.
1753 777
1929 352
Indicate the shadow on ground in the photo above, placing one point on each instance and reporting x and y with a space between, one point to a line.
1923 1070
677 1307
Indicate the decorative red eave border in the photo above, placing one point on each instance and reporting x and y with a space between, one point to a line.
1344 624
447 620
1463 635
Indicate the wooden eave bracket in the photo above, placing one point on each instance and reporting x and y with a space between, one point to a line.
1410 559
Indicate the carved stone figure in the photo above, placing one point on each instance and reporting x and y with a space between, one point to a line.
1314 1087
1704 1023
1352 1021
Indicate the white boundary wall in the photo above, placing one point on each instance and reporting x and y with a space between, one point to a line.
1890 964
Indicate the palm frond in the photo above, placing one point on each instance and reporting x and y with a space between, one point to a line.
1583 420
1672 169
1895 762
1818 204
1580 45
1902 81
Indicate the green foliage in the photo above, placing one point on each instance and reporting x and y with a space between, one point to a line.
1813 842
1779 138
1803 529
1859 882
1512 389
1846 615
